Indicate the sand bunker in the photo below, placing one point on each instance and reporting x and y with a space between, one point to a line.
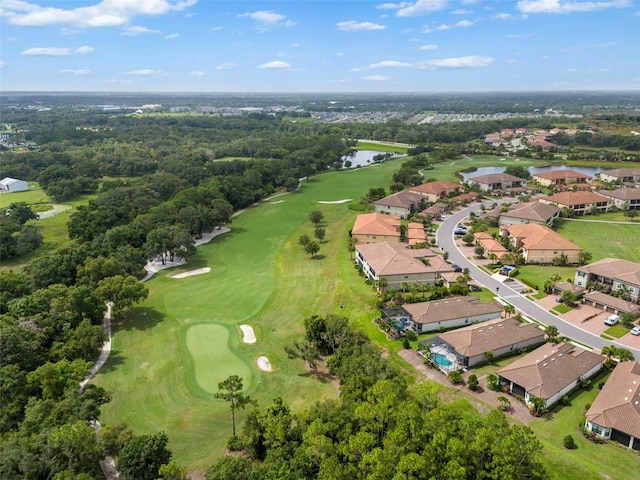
337 201
264 364
190 273
247 334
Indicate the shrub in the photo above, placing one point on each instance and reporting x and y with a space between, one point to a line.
405 343
565 400
410 335
473 382
493 382
455 377
235 443
569 443
587 406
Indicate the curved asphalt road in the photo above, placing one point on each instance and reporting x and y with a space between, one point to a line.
447 243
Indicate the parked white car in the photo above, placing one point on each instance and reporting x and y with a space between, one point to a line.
612 320
635 331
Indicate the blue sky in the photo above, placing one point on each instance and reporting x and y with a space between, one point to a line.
319 46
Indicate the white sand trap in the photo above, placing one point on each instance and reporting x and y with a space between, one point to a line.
264 364
190 273
247 334
337 201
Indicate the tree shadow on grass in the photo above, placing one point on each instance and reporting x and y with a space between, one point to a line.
318 257
140 318
115 360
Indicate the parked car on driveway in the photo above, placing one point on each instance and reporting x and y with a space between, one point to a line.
635 331
612 320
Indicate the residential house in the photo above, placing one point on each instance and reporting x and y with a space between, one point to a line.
625 175
496 181
470 344
560 177
550 372
609 303
530 212
623 198
9 184
613 274
401 204
416 234
540 244
435 210
448 313
615 412
491 245
437 190
376 227
580 202
398 264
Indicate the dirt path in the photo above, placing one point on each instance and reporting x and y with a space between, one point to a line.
484 400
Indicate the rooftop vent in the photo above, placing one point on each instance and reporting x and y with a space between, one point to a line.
544 364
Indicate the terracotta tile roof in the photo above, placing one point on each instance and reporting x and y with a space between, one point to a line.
616 268
437 187
395 258
534 211
490 244
575 198
622 172
449 309
435 209
415 233
561 174
622 193
619 304
539 237
404 199
550 368
376 224
618 403
492 335
496 178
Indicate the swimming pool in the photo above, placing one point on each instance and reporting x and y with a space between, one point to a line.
440 360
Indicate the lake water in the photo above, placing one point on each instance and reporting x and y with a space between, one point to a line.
533 170
365 157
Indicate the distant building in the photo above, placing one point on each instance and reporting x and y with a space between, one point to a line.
540 244
625 175
437 190
9 184
401 204
612 274
560 177
580 202
530 212
376 228
496 181
623 198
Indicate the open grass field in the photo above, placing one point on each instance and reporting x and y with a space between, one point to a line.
381 147
447 171
537 274
174 349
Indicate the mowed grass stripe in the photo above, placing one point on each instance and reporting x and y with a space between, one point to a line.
259 276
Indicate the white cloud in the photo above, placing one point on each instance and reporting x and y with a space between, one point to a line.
520 35
145 72
388 64
226 66
393 6
172 36
425 48
268 19
47 51
422 7
502 16
426 29
107 13
353 26
84 49
461 11
217 29
137 30
471 61
464 23
601 70
443 27
274 65
571 70
81 72
568 6
375 78
69 31
588 47
197 73
3 64
339 54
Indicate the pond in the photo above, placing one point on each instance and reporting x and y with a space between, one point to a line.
533 170
361 158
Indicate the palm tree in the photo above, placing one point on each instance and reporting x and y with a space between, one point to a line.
584 257
508 309
551 331
608 352
624 355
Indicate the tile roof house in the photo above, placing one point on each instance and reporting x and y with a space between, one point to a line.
560 177
496 181
437 190
615 412
624 198
501 336
435 210
580 202
540 244
609 303
449 313
612 273
376 227
626 175
400 204
490 244
530 212
416 234
550 371
398 264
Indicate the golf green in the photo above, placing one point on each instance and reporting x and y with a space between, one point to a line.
209 351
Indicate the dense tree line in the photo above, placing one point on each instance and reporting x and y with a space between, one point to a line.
18 234
379 428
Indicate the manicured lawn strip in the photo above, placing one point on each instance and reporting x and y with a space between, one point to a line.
539 295
537 274
604 239
617 331
447 171
260 276
381 147
589 461
560 309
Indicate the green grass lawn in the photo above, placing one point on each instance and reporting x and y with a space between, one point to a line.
560 309
381 147
604 239
537 274
174 349
617 331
